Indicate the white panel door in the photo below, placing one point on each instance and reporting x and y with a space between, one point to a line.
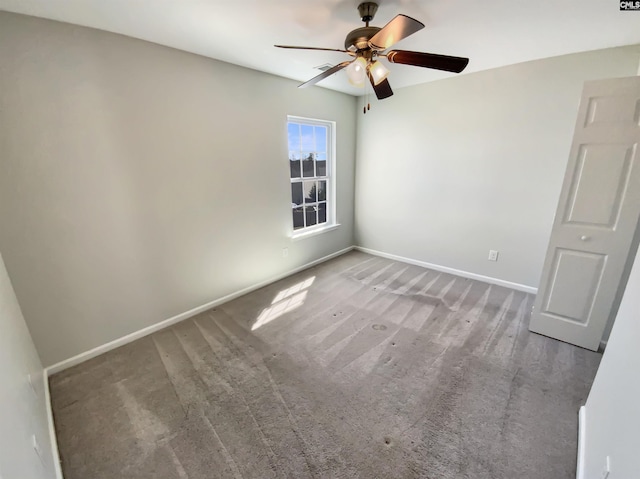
596 217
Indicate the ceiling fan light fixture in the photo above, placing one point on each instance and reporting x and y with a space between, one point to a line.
357 72
378 72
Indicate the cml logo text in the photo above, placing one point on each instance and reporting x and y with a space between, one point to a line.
630 5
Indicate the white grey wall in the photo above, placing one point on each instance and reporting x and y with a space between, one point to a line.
450 169
138 182
612 412
22 408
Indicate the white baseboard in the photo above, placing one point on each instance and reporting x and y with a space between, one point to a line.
82 357
457 272
52 430
85 356
582 432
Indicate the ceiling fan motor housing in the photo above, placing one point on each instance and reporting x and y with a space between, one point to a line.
359 38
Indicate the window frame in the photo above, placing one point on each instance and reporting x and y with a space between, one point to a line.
330 179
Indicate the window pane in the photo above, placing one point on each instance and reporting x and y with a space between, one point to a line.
308 142
322 212
294 165
293 131
311 215
296 193
307 165
322 190
321 164
298 218
321 138
310 192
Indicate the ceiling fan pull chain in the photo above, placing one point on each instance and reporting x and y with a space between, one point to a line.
366 107
366 97
364 103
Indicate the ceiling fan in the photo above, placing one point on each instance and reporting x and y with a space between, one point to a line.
367 44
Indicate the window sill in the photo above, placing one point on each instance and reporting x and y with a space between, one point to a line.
314 232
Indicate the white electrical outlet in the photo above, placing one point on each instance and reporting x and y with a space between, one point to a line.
285 252
493 255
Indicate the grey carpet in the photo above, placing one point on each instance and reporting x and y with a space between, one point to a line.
360 367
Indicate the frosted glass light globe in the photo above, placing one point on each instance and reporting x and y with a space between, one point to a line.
357 72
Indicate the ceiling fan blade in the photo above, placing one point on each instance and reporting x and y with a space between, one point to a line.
394 31
312 48
383 89
324 75
428 60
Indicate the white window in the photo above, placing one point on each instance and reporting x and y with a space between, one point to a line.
311 167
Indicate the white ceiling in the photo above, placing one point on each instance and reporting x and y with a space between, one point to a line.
492 33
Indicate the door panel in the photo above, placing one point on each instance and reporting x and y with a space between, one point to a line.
597 214
601 176
577 276
612 111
